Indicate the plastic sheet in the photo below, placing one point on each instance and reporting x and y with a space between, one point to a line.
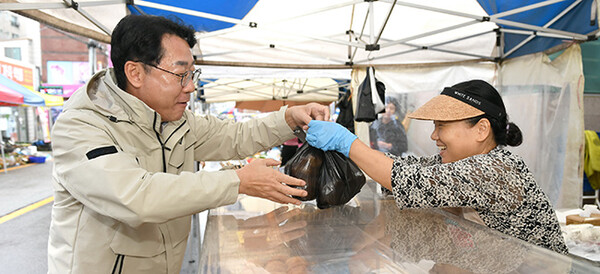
373 236
543 97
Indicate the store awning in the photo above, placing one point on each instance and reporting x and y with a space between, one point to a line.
9 97
29 97
52 100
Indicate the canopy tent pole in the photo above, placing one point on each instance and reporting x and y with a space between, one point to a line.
278 46
75 6
283 48
530 37
245 24
575 36
495 19
430 33
14 6
371 23
535 33
385 22
362 31
328 40
433 47
50 20
526 8
403 41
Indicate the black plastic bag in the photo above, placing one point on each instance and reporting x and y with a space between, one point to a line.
365 111
340 180
306 165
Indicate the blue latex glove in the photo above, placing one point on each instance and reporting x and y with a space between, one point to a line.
329 136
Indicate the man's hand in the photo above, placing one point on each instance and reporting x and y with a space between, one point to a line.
300 116
259 179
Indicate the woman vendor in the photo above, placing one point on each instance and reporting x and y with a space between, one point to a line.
472 172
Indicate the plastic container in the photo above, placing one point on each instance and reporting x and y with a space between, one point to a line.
39 160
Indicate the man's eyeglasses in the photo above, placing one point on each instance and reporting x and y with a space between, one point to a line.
185 77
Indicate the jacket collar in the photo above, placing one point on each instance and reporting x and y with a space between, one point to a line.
101 94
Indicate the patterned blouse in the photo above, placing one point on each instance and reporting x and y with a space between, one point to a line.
498 185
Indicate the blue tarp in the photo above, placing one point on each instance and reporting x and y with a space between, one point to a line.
236 9
29 97
578 20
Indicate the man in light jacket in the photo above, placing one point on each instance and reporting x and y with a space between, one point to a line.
124 150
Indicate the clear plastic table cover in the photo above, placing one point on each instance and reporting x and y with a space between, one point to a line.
370 234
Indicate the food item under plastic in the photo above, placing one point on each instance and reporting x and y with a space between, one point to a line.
306 165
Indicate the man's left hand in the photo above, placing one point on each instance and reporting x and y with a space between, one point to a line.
300 116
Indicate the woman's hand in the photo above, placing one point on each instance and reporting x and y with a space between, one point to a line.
330 136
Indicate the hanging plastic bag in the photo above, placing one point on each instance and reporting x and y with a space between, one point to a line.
369 104
346 116
340 178
306 165
376 97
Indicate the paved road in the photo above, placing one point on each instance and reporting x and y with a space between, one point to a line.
24 239
24 186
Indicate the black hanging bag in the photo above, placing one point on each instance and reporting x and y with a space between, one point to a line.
366 111
346 116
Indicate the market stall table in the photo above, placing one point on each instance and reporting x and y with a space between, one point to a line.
368 235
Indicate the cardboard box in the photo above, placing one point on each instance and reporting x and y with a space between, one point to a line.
594 219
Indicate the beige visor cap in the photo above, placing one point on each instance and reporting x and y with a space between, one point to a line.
445 108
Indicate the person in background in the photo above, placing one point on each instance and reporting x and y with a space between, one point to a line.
125 149
474 175
387 133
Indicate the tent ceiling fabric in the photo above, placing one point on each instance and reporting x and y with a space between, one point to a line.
340 34
337 32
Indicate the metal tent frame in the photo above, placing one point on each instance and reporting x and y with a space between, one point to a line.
370 38
353 41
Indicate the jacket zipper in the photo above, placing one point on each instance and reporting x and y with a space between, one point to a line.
119 262
162 146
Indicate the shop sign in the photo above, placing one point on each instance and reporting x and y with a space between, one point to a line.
21 74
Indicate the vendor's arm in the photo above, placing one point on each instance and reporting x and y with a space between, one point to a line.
374 163
482 182
478 181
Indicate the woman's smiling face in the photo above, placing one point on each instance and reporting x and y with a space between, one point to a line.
456 140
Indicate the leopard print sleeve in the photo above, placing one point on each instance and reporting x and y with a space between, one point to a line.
480 181
498 185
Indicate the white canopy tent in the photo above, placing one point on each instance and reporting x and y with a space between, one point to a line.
323 34
417 47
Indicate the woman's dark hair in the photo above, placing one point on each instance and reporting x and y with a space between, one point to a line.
505 133
139 37
399 111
